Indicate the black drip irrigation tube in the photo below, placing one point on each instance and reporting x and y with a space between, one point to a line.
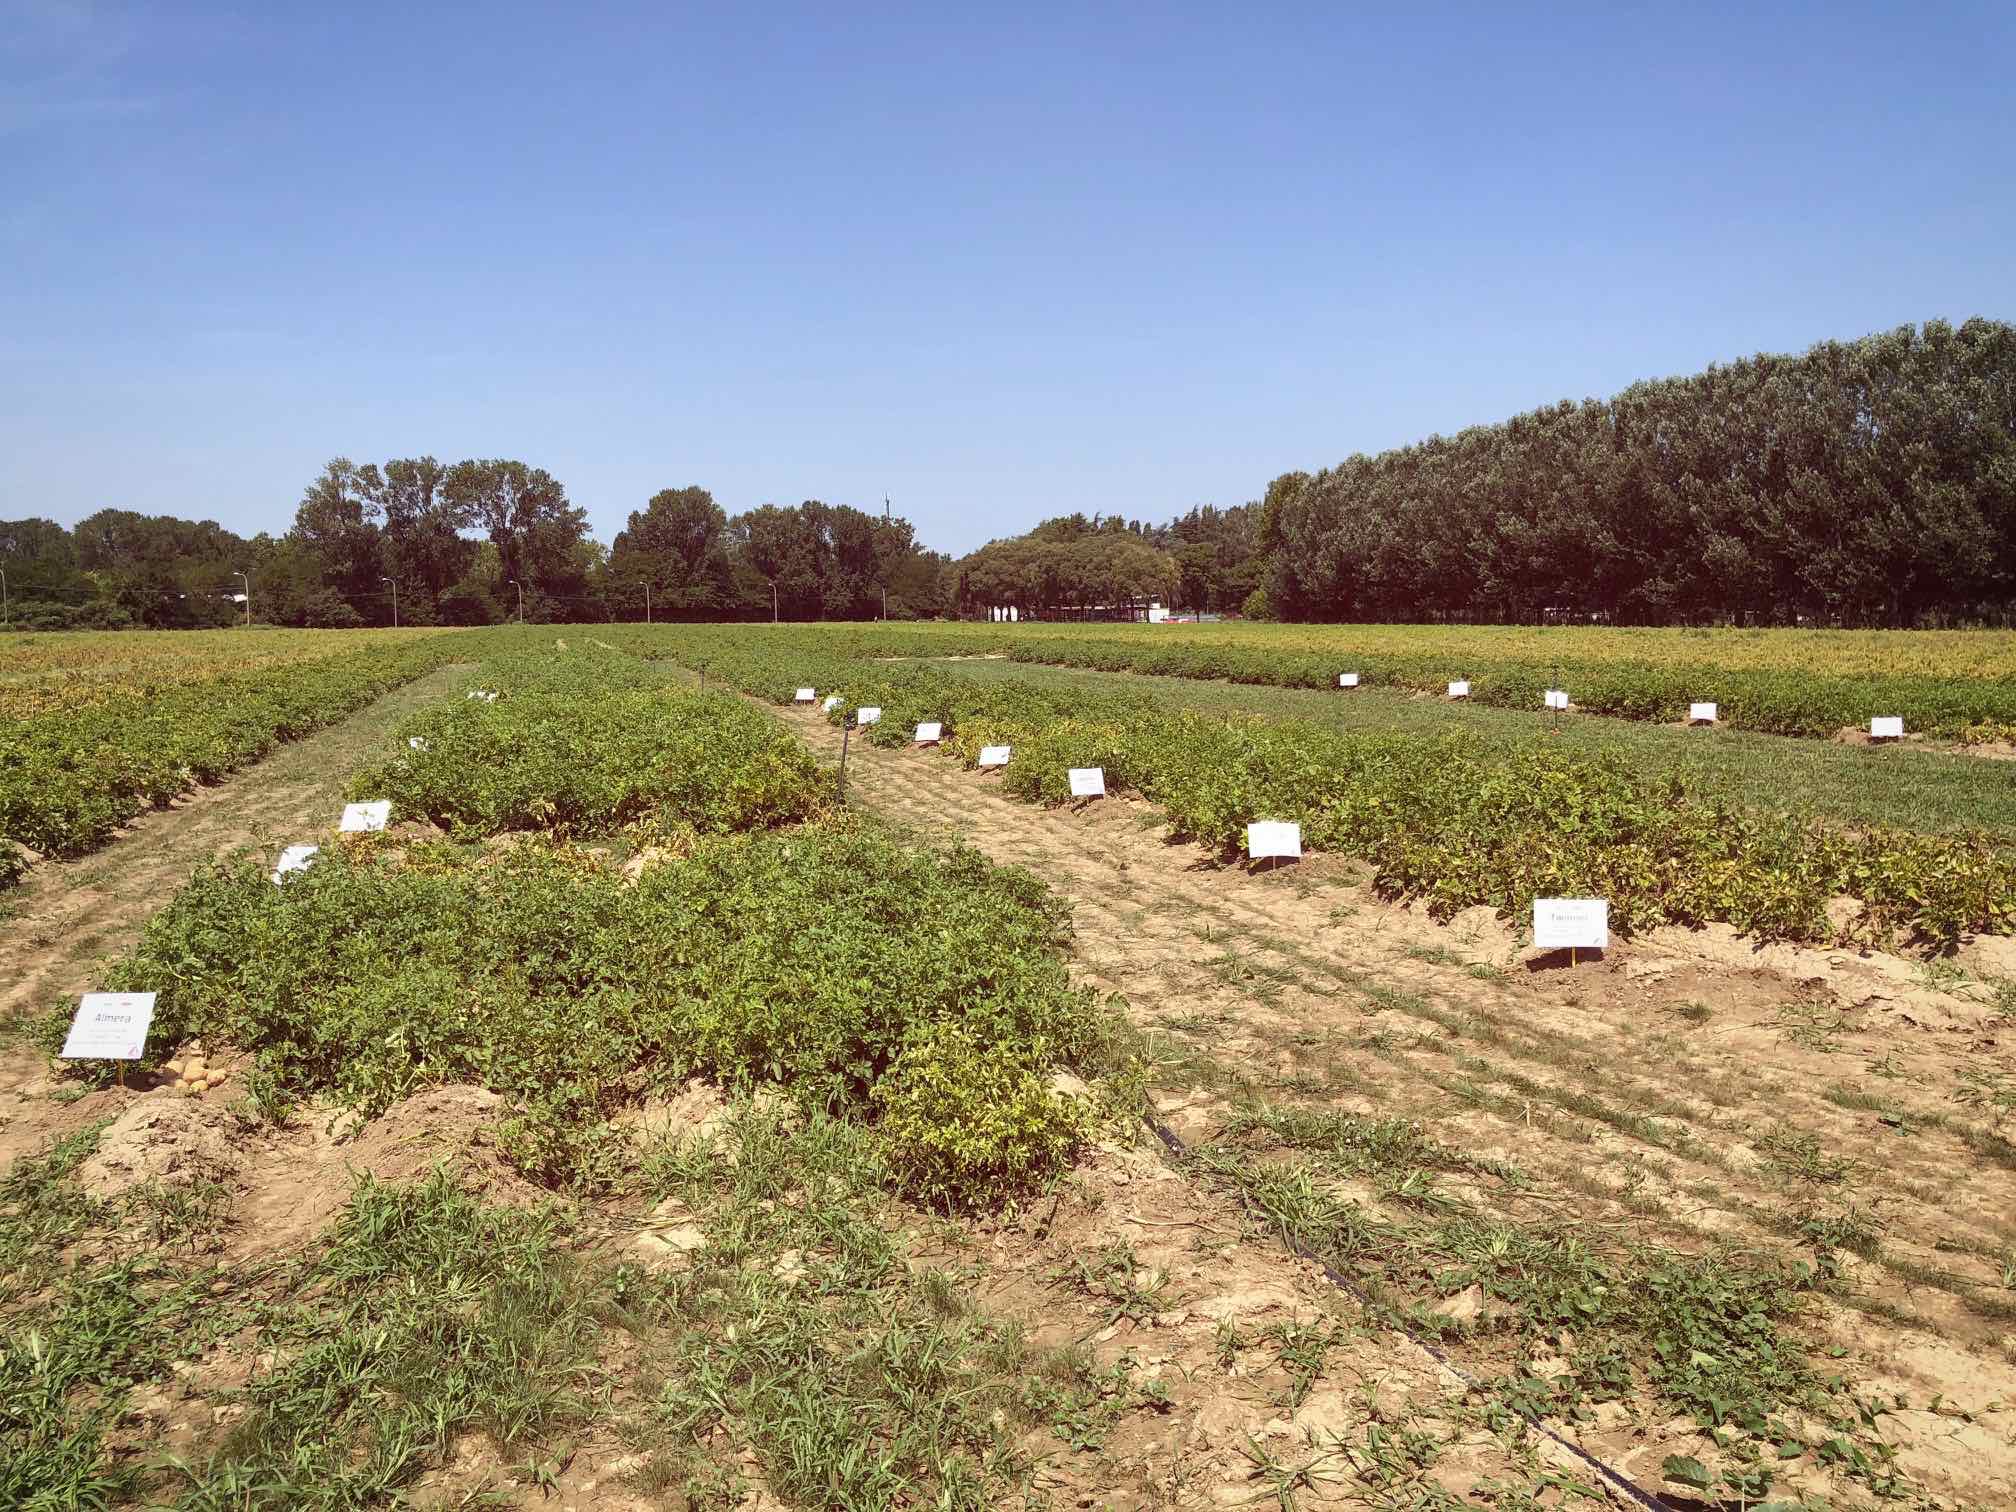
1619 1482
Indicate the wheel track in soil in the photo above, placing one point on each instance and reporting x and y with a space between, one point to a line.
1524 1067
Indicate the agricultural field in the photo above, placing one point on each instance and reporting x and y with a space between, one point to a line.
652 1116
100 725
44 672
1956 686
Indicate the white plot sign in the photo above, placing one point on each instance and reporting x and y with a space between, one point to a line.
930 732
1571 923
1887 728
1701 713
805 695
994 756
487 697
833 701
1271 837
1460 689
417 742
362 818
109 1026
294 859
1556 699
870 715
1347 679
1088 782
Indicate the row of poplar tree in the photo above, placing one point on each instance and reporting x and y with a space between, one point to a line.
1867 482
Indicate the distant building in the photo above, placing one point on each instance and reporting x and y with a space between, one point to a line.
1151 611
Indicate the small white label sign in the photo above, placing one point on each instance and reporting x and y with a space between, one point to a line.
361 818
293 859
1088 782
1556 699
930 732
870 715
1347 679
993 756
1889 727
1272 837
110 1026
487 697
833 701
805 695
417 742
1460 689
1571 923
1701 713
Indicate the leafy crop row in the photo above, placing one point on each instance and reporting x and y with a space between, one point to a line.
1958 685
830 961
1441 820
587 742
70 777
922 993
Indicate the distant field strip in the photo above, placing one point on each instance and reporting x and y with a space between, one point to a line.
1447 819
41 673
1957 685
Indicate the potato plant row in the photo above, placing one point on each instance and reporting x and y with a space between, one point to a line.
1440 819
1777 683
748 937
70 777
586 743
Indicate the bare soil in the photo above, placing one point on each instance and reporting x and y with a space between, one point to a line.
1687 1089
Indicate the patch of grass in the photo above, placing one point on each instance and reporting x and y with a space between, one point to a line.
1815 1025
798 1330
1434 955
1352 1145
428 1314
77 1335
1705 1334
1797 1156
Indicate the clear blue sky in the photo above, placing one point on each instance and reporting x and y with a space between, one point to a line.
997 262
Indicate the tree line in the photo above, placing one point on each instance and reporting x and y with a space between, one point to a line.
470 543
1206 560
1867 482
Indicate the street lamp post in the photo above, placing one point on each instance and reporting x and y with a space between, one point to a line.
521 599
247 577
647 601
773 601
395 599
3 595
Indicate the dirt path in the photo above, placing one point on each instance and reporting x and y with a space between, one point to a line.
1687 1092
68 915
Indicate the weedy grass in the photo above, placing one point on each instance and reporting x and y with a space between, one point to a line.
82 1321
426 1314
802 1331
1708 1335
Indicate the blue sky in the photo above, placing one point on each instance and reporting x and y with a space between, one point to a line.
995 262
